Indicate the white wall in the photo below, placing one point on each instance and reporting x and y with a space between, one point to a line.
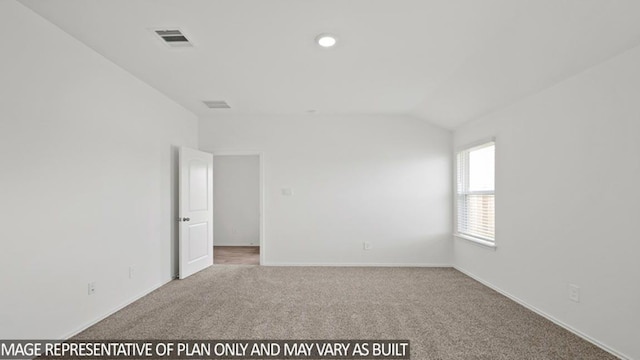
236 200
382 179
567 202
87 181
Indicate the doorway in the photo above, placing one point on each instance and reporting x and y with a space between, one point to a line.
237 209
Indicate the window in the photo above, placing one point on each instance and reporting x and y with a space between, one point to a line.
476 193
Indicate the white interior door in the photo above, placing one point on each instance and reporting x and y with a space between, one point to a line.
196 211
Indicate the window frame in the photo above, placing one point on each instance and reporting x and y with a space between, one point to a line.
484 242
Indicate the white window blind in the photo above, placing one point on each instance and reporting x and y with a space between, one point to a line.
476 192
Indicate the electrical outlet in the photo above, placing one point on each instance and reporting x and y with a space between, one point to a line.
92 288
132 271
366 245
574 293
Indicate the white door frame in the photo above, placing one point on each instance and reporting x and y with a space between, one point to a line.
260 191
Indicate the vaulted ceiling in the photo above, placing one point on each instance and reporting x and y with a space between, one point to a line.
446 61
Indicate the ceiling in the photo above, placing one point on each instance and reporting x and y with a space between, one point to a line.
446 61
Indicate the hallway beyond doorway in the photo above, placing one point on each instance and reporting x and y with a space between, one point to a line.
236 255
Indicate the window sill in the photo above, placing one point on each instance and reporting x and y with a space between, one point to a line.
476 241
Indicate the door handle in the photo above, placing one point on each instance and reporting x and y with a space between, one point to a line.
184 219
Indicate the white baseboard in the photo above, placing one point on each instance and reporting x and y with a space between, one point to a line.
216 244
115 309
546 316
357 264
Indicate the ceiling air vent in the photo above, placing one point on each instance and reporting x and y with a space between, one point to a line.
216 104
173 38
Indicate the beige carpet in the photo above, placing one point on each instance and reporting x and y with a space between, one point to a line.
444 313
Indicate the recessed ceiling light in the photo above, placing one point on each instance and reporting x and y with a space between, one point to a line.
326 40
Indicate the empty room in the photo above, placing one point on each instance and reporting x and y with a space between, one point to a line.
320 179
